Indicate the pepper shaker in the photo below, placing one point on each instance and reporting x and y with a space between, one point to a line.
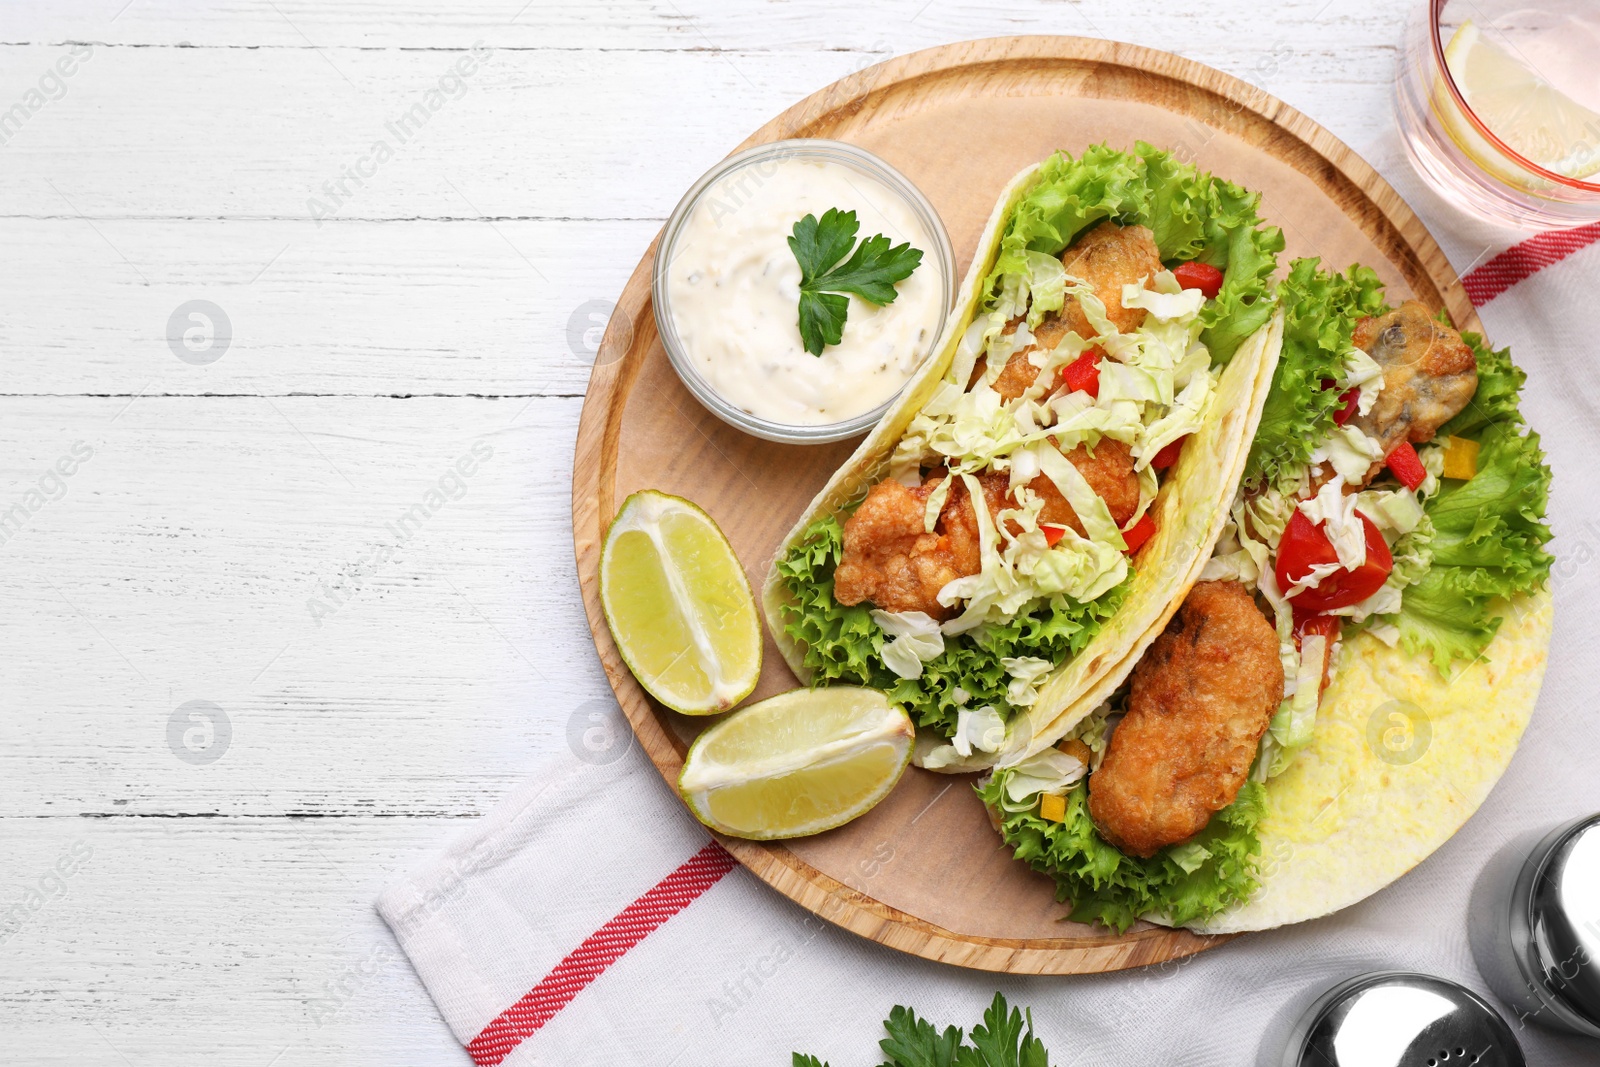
1535 927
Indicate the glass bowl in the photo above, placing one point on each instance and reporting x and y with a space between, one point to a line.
941 257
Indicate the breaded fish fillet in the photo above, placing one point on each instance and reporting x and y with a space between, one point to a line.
1109 472
1107 258
1429 375
1202 697
889 560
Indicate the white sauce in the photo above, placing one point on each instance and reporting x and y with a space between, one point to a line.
734 291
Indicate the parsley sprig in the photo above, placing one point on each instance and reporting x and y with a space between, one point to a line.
998 1041
870 273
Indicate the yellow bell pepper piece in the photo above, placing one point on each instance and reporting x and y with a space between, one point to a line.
1053 808
1076 749
1460 458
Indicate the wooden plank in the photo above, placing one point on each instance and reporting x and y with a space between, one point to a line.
215 941
358 308
534 134
526 135
1229 28
204 551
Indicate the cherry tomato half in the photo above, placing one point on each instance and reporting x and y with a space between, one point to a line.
1201 276
1083 373
1326 625
1305 545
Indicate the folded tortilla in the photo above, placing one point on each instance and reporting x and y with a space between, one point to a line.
1189 512
1402 756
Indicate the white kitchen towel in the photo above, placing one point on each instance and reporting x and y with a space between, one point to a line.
590 919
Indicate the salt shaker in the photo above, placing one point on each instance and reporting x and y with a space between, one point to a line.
1535 927
1395 1018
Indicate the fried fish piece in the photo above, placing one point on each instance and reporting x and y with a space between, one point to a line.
1107 258
892 561
1202 697
1109 472
1429 375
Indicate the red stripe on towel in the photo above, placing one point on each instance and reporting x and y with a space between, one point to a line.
1523 260
600 950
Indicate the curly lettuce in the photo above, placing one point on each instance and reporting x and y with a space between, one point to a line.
844 645
1187 883
1193 215
1321 310
1488 546
1500 384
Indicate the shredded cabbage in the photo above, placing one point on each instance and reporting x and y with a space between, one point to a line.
916 640
1050 772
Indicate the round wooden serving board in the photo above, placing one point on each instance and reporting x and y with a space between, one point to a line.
924 872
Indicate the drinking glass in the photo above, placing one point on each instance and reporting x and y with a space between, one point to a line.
1498 104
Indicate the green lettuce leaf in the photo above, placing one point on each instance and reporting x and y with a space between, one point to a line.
1106 886
1487 537
1499 385
1320 314
1488 546
843 645
1247 254
1192 214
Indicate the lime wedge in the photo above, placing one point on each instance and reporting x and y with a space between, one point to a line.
1533 117
799 763
679 605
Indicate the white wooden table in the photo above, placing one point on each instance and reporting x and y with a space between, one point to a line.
388 310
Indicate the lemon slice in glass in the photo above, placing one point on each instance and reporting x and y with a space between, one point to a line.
679 605
1533 117
799 763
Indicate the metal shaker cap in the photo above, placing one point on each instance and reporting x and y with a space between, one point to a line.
1564 919
1401 1019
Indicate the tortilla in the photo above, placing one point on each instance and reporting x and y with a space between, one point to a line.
1189 512
1401 758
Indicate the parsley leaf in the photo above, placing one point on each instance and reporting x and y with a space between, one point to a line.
913 1042
870 273
998 1041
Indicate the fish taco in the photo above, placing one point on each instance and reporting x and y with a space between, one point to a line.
1057 473
1351 673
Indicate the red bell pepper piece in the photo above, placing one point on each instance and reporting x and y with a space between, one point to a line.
1140 532
1201 276
1407 465
1083 373
1349 401
1168 455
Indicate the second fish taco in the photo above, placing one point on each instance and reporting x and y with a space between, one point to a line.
1353 671
1098 384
